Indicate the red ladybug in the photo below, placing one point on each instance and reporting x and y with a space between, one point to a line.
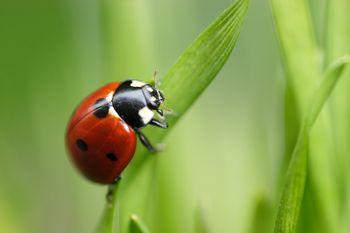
101 134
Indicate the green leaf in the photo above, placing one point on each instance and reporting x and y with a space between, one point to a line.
303 63
203 59
293 190
198 66
337 44
338 33
299 52
137 225
331 78
299 49
187 79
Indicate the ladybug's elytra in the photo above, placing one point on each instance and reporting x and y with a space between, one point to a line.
101 134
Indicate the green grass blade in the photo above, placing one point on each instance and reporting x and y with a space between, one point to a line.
137 225
299 52
299 49
186 80
203 59
198 66
337 33
331 78
293 190
108 219
337 39
304 68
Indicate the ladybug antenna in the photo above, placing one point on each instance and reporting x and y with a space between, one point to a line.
169 111
156 82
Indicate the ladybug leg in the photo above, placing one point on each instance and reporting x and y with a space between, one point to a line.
145 141
159 124
111 189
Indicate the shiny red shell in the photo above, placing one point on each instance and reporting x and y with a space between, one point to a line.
100 148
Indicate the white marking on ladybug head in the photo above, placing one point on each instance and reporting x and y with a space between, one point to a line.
135 83
150 89
153 98
146 114
109 97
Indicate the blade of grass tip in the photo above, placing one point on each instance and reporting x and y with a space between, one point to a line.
197 67
331 78
292 195
108 221
137 225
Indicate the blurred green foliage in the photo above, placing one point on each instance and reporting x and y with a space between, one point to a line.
225 157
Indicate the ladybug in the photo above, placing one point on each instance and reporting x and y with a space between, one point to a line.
101 134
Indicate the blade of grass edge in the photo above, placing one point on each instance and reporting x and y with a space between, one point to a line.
292 194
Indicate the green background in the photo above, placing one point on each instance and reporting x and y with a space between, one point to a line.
223 158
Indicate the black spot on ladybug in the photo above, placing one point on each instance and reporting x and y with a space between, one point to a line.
81 144
111 156
101 108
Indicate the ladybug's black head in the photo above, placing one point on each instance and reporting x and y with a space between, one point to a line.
153 96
